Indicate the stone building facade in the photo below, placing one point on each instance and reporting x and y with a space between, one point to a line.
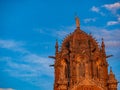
80 64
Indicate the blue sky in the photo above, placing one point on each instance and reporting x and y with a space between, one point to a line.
29 29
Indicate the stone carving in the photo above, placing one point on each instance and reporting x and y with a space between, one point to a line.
63 70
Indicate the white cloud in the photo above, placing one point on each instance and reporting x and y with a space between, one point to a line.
61 33
58 33
118 18
113 43
8 44
29 68
13 45
7 89
41 62
109 23
95 9
112 7
89 20
30 65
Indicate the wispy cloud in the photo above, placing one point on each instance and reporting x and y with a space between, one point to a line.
28 68
12 45
97 10
62 32
109 23
7 89
27 60
89 20
112 7
41 62
113 43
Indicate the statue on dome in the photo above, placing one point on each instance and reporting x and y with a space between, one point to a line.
77 22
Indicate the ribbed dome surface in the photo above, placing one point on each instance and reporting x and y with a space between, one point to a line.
79 39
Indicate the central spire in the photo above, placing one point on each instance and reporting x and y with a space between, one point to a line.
77 22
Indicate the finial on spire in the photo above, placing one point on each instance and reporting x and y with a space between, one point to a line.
77 22
111 70
90 34
102 39
103 45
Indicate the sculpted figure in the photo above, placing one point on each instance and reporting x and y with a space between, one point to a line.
77 22
62 71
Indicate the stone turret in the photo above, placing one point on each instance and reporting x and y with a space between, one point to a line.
112 82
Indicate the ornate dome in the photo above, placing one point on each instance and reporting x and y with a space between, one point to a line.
79 42
79 35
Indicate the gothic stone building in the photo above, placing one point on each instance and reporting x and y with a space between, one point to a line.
81 64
